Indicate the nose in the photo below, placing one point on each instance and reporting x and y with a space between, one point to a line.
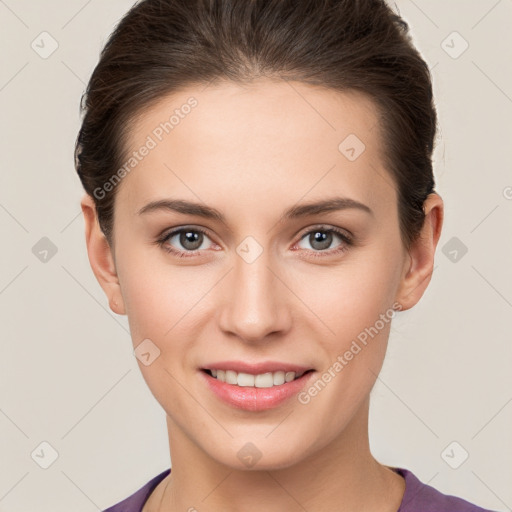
255 301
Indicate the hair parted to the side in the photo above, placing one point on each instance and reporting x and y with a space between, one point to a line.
162 46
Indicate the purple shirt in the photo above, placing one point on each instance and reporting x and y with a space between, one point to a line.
418 497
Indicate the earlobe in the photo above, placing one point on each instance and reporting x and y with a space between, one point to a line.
115 307
418 272
101 256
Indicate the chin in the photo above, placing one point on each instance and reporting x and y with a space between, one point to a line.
260 455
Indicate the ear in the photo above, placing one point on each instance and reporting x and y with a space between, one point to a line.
101 256
420 261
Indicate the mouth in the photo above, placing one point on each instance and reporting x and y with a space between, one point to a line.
256 392
260 380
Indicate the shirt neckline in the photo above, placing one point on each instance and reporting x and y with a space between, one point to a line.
404 473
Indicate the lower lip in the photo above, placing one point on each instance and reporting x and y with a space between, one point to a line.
255 399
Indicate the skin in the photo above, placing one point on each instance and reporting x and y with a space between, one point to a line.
252 152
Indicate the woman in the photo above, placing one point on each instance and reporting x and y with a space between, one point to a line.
260 203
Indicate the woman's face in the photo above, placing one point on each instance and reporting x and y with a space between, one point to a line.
269 283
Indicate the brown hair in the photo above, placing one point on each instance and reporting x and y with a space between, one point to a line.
161 46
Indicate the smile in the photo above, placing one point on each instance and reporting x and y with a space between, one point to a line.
261 380
255 391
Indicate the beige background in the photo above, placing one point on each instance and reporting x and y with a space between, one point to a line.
68 376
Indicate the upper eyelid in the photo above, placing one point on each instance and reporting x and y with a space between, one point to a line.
326 227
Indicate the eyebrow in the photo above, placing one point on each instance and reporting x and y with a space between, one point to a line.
301 210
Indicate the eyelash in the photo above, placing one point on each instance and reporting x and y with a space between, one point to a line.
348 241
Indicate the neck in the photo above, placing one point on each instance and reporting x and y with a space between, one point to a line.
342 475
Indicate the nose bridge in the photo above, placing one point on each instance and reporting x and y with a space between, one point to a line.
254 305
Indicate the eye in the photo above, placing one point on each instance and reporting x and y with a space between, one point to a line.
187 242
321 239
190 239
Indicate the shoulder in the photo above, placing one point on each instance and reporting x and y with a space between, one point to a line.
136 501
420 496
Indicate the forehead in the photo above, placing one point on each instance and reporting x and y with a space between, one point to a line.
276 140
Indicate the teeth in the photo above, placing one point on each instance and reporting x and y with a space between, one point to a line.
231 377
262 380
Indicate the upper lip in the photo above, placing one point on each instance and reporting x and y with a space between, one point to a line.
257 368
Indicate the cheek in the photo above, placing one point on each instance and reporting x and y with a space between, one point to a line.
163 302
160 304
148 304
354 305
151 294
350 298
